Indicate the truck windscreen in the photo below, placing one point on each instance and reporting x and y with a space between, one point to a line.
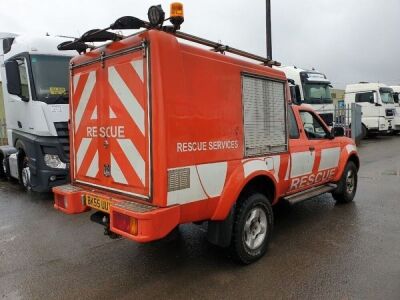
317 93
51 78
386 95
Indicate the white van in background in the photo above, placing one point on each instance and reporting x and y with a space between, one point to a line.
377 105
396 98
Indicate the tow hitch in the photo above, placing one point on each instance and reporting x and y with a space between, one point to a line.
104 219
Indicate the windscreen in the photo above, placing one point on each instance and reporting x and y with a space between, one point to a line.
386 95
51 78
317 93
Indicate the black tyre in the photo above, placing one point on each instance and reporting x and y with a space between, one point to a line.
364 132
347 186
2 168
252 228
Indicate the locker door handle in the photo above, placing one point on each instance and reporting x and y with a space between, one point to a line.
312 148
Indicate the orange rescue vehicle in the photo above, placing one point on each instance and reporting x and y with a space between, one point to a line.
165 132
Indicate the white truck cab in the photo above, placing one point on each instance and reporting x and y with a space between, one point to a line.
311 87
377 105
35 88
396 98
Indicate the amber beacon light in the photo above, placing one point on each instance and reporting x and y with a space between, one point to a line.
176 14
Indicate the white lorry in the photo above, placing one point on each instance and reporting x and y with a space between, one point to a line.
396 98
311 87
35 89
377 106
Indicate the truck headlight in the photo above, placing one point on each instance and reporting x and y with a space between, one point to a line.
54 161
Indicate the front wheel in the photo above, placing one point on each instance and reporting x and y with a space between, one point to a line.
347 185
252 228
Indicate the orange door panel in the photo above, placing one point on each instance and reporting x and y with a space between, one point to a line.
116 128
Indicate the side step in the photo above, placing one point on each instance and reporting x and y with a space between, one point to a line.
313 192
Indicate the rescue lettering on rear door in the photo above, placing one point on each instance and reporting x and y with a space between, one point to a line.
108 131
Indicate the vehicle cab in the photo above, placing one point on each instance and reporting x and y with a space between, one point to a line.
377 106
396 97
35 89
313 88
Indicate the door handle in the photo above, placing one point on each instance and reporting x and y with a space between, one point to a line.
312 148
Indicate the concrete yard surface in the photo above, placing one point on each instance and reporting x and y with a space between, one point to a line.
319 250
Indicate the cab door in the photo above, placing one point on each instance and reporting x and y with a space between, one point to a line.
326 149
302 154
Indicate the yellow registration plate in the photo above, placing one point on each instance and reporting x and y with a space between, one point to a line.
98 203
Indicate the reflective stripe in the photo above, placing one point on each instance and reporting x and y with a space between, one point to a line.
94 166
76 80
302 163
134 157
138 66
126 97
87 91
94 114
116 172
80 154
329 158
350 148
205 179
263 164
112 114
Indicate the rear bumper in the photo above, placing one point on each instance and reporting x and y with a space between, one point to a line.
153 223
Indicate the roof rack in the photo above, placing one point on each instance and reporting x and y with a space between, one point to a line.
129 22
217 47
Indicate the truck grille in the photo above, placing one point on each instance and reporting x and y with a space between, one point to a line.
390 112
63 134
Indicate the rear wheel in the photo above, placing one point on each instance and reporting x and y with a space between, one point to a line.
364 131
347 185
252 229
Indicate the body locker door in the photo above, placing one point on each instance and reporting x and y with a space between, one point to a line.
122 132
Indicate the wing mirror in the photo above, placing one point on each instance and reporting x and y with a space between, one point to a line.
14 79
337 132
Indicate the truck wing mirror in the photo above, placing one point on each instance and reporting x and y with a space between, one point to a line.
13 78
298 94
337 131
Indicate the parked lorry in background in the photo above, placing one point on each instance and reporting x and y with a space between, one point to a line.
377 105
35 91
396 98
165 133
311 87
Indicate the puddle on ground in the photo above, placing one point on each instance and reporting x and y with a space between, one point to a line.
391 172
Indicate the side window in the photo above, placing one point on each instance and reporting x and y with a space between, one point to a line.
293 128
312 126
23 75
365 97
264 115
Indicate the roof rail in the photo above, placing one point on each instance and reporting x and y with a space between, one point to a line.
217 47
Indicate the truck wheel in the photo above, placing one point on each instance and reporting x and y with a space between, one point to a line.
3 171
25 174
347 186
252 228
364 131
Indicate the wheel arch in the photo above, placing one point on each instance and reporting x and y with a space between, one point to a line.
261 181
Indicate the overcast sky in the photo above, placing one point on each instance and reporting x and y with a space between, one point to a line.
348 40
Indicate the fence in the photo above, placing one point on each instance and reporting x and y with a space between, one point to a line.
349 117
3 132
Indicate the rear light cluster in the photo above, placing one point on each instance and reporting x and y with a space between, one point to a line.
125 223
